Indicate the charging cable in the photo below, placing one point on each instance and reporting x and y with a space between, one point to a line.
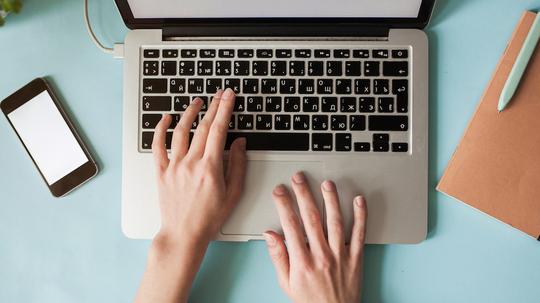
117 50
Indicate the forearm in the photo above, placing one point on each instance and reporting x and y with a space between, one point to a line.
171 269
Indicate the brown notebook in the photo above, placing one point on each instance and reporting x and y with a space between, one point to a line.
496 166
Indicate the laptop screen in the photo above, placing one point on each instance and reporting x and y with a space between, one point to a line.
165 9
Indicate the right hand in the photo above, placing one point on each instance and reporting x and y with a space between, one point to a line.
325 271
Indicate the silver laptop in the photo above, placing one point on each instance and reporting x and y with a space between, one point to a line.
336 89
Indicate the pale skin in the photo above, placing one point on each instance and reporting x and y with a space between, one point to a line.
196 196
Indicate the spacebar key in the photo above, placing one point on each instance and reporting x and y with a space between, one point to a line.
272 141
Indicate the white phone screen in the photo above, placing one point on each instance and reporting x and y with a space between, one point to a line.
47 137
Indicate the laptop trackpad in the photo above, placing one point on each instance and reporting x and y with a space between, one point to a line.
256 212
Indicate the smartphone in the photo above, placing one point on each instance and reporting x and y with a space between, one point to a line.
49 137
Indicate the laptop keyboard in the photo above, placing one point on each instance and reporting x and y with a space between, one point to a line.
288 99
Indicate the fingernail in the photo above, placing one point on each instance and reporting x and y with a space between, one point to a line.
196 100
359 201
218 94
228 94
280 190
270 241
328 185
299 178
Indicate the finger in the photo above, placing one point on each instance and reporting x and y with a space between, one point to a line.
290 224
158 143
218 131
201 133
334 221
358 234
180 139
310 214
280 258
236 169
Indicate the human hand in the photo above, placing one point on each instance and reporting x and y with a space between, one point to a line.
195 194
326 271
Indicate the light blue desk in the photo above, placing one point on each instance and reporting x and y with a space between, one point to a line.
72 249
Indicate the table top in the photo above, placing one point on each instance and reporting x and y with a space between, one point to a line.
72 249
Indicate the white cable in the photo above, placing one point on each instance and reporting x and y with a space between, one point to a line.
105 49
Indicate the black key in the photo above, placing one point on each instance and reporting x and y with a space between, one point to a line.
154 86
306 86
174 121
315 68
241 68
282 122
158 103
386 105
321 142
396 68
287 86
204 106
226 53
338 122
292 104
400 147
233 84
148 137
245 53
207 53
400 53
302 53
150 68
325 86
329 104
254 104
300 122
401 89
310 104
278 68
260 68
362 86
360 53
381 137
380 53
381 146
170 53
177 86
343 86
371 68
195 123
381 86
353 68
213 84
269 86
367 104
231 123
265 53
347 104
388 123
297 68
245 121
334 68
188 53
283 53
319 122
273 104
250 86
343 142
239 104
150 120
223 68
362 146
263 122
205 68
168 68
151 53
322 53
195 86
357 122
342 53
181 103
271 141
187 68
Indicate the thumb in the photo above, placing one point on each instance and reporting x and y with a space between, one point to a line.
280 257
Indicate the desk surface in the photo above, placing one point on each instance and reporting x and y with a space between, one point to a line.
72 249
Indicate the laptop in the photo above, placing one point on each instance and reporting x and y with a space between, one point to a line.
336 89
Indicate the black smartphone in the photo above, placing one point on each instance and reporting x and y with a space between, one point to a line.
49 137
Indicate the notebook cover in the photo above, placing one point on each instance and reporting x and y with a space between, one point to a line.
496 166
